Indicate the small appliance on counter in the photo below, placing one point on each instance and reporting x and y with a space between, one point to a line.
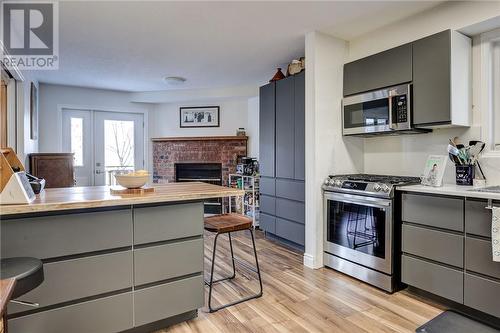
15 187
361 233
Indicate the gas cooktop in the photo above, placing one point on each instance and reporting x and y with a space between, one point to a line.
367 184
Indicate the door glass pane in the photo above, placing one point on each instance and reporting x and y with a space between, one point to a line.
357 227
372 113
77 140
118 147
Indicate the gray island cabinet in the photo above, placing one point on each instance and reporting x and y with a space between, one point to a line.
121 267
447 250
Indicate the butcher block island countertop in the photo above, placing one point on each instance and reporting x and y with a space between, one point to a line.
57 199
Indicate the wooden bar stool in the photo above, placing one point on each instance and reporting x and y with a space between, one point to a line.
226 224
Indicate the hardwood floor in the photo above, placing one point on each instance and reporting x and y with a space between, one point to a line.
299 299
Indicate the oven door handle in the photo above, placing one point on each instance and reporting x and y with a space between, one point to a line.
359 200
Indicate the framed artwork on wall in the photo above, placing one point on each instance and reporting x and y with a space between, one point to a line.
33 112
199 116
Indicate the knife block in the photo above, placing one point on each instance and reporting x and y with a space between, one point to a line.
14 185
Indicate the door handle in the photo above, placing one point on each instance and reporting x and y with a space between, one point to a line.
98 172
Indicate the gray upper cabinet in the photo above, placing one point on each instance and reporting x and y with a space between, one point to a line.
441 80
267 116
300 114
385 69
285 120
431 81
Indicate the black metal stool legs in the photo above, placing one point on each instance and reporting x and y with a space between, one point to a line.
213 260
211 282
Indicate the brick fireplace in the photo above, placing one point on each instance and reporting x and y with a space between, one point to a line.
216 149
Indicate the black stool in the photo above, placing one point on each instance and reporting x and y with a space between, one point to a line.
226 224
28 273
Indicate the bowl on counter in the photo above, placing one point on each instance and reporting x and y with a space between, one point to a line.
132 180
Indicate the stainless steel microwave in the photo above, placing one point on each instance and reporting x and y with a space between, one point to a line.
381 111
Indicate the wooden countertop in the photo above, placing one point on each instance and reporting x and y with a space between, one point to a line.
57 199
6 289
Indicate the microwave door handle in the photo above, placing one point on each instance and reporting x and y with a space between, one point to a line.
391 124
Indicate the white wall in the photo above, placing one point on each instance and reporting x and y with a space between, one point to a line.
327 151
54 96
406 155
165 118
449 15
162 119
253 127
24 144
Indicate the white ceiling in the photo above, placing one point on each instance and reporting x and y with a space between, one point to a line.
132 45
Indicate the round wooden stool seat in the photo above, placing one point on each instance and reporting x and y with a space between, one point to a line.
28 273
227 223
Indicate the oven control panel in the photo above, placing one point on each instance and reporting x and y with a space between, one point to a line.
365 188
354 185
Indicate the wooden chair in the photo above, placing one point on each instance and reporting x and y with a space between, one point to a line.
227 224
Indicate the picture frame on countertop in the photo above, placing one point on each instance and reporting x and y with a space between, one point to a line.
199 116
434 169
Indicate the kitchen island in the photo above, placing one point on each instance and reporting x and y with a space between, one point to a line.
113 263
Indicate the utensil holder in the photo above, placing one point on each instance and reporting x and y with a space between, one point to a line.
465 174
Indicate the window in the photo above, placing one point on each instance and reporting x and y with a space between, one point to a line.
490 90
77 140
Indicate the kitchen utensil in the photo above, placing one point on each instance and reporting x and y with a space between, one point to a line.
476 148
456 153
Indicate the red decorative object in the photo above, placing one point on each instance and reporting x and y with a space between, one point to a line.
278 76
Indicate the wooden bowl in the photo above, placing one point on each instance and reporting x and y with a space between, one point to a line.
132 181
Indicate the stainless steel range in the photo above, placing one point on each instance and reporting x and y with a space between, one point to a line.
359 226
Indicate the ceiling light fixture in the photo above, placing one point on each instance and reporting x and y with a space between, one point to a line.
174 80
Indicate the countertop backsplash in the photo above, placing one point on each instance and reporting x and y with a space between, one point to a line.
406 155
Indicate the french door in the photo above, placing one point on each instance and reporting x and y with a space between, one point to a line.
103 143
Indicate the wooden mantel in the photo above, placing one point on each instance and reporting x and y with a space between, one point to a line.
200 138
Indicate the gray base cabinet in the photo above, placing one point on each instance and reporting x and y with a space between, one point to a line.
109 271
446 245
282 151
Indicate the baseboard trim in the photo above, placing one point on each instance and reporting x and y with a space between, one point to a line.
312 261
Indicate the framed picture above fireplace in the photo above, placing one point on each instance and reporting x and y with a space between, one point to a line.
199 116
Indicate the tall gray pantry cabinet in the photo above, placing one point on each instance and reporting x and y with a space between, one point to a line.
282 159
